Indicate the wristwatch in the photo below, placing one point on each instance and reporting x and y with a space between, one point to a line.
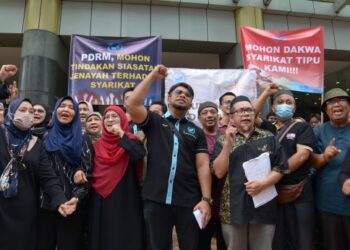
208 199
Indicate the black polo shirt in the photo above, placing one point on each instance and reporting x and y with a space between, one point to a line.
301 134
237 206
172 146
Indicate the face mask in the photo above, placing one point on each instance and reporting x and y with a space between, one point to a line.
284 111
23 121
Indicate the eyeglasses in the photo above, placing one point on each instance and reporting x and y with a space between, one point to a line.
40 111
112 117
336 100
243 111
180 92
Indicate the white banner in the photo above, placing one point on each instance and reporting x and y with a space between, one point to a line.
210 84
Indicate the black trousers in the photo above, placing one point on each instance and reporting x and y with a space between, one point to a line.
205 235
57 231
335 231
160 220
294 228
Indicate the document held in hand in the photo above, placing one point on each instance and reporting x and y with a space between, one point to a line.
199 217
256 169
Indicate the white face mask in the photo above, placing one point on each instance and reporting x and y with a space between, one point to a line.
23 121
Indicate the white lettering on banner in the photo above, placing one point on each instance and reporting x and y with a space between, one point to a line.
281 69
96 57
302 49
264 49
268 58
308 60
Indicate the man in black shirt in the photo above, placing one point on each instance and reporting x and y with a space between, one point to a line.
178 179
244 226
294 228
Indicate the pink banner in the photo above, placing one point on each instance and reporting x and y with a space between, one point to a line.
294 58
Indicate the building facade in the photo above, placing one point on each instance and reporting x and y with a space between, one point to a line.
35 34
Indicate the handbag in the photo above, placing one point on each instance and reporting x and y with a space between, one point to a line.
289 193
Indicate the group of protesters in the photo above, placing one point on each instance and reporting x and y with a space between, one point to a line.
76 179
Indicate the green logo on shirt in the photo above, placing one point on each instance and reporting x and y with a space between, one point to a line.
191 130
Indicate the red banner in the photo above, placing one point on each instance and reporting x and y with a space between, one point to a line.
294 58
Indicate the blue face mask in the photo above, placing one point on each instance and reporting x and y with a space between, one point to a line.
284 111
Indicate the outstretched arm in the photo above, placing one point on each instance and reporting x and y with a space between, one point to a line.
134 104
271 89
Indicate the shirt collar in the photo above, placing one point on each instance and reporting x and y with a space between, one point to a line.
255 131
168 114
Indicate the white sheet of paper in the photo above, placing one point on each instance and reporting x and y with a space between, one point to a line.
199 217
257 169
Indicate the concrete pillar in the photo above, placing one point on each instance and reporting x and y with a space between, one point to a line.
246 16
44 58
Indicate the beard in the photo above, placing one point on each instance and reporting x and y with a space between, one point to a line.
181 107
245 128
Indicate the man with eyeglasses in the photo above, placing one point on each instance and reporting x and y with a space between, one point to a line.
333 138
178 179
244 226
225 101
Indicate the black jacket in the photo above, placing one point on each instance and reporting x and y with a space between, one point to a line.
65 173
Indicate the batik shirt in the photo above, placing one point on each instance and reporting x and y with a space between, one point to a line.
236 205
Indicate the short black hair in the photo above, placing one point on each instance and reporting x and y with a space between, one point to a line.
240 98
317 116
181 84
270 114
225 94
126 91
162 104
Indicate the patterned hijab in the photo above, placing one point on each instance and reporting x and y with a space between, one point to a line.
18 142
93 137
66 138
17 137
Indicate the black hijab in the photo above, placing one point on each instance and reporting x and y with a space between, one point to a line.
41 128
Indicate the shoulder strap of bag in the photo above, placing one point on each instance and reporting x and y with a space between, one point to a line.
173 129
281 135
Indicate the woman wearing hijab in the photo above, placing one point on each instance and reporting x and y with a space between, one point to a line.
70 157
116 220
93 126
24 169
84 109
41 120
